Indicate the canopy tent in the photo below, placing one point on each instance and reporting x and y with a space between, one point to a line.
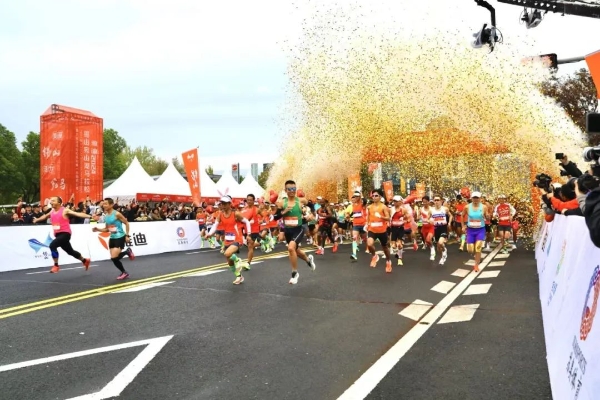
227 186
250 186
172 182
208 188
131 182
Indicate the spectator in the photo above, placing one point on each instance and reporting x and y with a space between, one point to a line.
27 215
16 220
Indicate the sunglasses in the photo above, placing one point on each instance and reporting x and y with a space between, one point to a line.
291 189
375 196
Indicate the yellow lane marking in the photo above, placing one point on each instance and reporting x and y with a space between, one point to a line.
55 301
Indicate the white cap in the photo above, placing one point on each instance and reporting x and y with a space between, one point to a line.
319 198
476 194
397 198
356 194
225 199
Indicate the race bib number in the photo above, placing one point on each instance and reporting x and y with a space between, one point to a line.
397 222
475 223
376 224
56 227
291 221
357 215
112 228
229 236
504 218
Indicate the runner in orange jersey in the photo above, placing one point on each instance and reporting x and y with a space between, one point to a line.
427 230
201 219
378 217
400 218
251 213
458 219
359 220
232 236
505 214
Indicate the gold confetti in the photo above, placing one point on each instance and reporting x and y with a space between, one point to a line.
365 86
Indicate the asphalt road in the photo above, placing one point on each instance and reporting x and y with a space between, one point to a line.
200 337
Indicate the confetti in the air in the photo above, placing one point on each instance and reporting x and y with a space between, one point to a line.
400 84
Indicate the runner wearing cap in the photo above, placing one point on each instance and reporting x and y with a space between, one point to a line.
400 217
226 222
475 215
358 216
378 218
441 219
290 209
505 213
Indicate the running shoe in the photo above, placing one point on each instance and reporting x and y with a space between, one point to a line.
238 280
130 254
374 261
388 267
86 263
294 278
54 269
124 275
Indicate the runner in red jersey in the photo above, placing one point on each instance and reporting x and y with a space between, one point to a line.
505 213
232 236
250 212
427 229
59 217
458 218
400 219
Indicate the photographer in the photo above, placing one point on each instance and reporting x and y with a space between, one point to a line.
562 198
587 188
569 167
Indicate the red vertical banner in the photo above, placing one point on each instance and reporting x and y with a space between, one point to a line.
89 156
192 168
593 63
354 184
53 144
388 189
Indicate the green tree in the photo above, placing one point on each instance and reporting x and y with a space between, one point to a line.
114 162
31 167
577 95
145 155
178 165
263 177
241 179
11 167
209 170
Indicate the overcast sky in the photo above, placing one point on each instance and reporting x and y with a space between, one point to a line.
186 73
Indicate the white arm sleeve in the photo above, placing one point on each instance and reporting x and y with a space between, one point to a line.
248 228
213 229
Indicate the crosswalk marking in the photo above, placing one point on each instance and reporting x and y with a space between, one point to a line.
478 289
461 272
498 256
459 314
497 264
443 287
489 274
416 309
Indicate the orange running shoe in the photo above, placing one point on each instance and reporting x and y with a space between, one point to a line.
86 263
374 261
388 267
476 268
55 269
335 245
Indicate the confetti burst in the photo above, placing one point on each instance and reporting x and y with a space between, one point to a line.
399 84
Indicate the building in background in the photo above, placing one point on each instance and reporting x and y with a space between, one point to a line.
254 171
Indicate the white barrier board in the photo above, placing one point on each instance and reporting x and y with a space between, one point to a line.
568 265
27 246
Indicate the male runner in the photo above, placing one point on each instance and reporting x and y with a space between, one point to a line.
475 214
226 222
399 218
290 209
458 221
505 213
441 219
378 217
427 230
59 218
250 212
114 221
358 222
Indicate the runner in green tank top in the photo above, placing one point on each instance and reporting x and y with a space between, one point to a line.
290 209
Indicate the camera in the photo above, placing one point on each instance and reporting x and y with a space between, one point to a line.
591 154
563 173
587 182
543 181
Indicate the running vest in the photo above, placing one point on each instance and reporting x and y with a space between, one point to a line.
293 219
251 214
201 218
230 227
377 224
114 226
439 216
459 211
504 211
397 218
425 217
475 218
341 216
358 215
60 224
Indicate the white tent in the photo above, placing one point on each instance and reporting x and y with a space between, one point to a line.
228 186
131 182
208 188
250 186
171 182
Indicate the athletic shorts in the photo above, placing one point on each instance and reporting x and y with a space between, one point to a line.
475 235
440 231
488 228
383 237
504 228
236 244
295 234
201 227
456 224
427 230
397 233
325 229
311 228
408 231
118 243
220 233
343 225
358 228
255 236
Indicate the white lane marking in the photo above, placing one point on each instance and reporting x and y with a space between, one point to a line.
497 263
461 272
459 314
204 273
470 262
416 309
62 269
443 287
371 378
279 256
120 382
489 274
478 289
502 256
143 287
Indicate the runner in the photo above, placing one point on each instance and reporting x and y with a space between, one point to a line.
378 217
475 214
441 219
358 222
505 213
114 221
226 222
458 221
59 218
290 209
427 230
250 212
398 225
326 221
